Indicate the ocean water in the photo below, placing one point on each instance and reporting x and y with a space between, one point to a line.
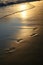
4 1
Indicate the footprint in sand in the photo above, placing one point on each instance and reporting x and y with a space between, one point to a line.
34 34
10 50
35 28
19 40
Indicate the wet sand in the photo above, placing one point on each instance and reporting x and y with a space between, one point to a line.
29 47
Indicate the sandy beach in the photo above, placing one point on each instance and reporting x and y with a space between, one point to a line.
21 34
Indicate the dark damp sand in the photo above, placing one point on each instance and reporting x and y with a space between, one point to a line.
29 51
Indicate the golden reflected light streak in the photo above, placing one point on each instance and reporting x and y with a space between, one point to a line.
17 12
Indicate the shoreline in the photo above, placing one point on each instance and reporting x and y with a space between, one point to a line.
11 3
